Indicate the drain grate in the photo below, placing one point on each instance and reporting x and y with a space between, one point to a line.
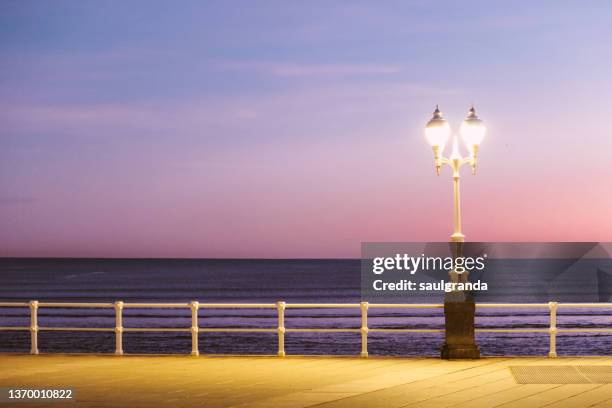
563 374
597 374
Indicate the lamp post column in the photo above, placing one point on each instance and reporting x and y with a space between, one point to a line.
459 306
457 235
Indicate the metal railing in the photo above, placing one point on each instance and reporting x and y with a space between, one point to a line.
552 329
280 330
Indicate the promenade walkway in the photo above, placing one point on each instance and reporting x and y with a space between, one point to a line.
292 382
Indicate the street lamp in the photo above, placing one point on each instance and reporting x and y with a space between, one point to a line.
437 133
459 306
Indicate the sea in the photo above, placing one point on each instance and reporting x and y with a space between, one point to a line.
251 281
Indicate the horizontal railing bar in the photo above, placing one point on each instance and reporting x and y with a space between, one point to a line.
79 329
75 305
512 305
155 329
322 305
156 305
406 330
236 330
323 330
512 330
313 330
237 306
405 305
296 305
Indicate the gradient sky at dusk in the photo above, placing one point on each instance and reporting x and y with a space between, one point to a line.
295 129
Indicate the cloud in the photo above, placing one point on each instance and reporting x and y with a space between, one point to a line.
287 69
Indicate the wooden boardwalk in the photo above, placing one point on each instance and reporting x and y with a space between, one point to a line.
292 382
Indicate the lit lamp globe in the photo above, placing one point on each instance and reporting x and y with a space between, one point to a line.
473 132
437 132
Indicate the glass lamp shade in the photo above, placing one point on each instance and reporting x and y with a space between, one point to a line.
472 130
437 130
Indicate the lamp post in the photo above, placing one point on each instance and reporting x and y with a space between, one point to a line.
459 307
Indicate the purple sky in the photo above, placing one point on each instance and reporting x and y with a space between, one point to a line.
295 129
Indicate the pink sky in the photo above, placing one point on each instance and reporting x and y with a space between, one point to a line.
243 145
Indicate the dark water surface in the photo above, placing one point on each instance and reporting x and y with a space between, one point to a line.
250 281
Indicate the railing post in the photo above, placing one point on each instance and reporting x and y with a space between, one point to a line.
34 327
553 329
280 307
364 329
119 328
195 351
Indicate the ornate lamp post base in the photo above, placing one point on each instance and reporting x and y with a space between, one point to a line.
459 310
